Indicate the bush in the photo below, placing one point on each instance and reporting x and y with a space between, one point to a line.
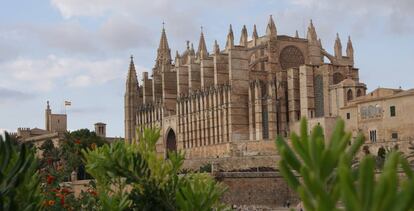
327 180
137 178
19 181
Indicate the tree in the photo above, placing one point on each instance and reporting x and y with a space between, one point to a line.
328 182
138 178
19 181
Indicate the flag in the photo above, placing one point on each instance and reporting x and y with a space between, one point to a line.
68 103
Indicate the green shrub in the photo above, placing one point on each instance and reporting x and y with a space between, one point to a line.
19 181
139 179
327 180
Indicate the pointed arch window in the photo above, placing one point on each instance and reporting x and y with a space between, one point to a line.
349 95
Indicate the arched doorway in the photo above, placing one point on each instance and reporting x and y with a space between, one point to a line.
171 142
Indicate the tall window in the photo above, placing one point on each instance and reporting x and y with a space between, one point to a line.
373 136
265 118
348 115
392 111
349 95
319 101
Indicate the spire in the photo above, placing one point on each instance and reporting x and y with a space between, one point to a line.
230 39
202 48
132 81
255 36
163 52
47 105
243 37
296 34
349 49
192 52
177 55
271 28
311 35
131 99
338 47
216 48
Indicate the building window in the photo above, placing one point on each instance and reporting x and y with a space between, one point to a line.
348 116
319 101
373 136
392 111
349 95
394 135
359 93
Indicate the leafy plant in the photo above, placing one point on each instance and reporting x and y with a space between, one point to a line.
19 182
327 180
143 180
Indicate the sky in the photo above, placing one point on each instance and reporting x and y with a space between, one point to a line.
79 50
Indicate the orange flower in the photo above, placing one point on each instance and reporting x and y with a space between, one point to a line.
93 146
51 202
77 141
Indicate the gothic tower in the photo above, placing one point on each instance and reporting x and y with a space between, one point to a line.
162 63
48 111
131 102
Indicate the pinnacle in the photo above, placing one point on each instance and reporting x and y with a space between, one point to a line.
202 48
255 35
271 27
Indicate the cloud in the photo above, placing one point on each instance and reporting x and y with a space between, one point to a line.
398 14
123 33
45 73
10 95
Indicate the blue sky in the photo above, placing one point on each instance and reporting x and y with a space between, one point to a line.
79 50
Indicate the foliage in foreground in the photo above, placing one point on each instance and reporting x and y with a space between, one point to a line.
19 182
136 178
327 180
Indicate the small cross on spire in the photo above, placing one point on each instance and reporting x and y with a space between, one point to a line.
163 25
201 29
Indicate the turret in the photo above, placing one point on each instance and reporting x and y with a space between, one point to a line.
271 31
243 37
48 112
216 48
192 52
350 49
202 48
230 39
131 99
255 36
338 47
314 46
311 35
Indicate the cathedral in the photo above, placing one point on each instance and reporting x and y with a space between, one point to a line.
237 98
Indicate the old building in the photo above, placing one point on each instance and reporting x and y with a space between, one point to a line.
384 116
233 100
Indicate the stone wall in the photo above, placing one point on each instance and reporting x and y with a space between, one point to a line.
259 189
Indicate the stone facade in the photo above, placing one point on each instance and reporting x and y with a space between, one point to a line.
384 116
216 104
